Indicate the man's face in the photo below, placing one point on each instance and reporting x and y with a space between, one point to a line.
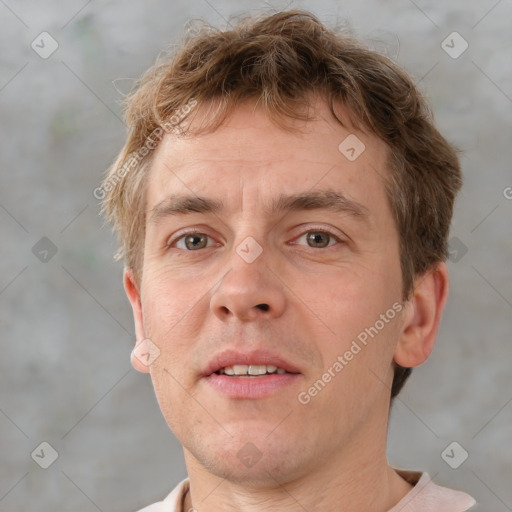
290 287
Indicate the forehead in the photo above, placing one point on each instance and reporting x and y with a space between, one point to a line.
250 153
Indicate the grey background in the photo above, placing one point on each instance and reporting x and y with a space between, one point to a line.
67 330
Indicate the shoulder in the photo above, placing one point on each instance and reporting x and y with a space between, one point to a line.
426 496
172 503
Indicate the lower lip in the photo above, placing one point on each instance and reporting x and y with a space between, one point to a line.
251 387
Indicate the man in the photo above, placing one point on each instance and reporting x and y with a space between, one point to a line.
283 202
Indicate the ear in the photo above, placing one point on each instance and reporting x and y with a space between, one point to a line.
133 294
422 317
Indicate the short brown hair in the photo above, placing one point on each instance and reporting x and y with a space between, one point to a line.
278 60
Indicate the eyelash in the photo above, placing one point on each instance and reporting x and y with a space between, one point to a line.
172 242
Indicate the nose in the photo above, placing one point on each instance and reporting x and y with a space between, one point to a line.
248 291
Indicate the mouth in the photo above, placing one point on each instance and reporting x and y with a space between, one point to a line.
252 370
250 375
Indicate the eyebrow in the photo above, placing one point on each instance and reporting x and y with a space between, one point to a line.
329 200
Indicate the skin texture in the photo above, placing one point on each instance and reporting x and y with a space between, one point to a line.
328 454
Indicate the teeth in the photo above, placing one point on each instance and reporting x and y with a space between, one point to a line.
240 369
253 369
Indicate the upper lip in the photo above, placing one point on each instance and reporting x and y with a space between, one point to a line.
254 357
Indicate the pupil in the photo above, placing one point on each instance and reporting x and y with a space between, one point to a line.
316 239
195 241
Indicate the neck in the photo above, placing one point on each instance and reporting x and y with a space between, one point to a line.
357 478
381 495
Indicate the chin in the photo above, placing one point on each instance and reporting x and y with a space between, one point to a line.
252 460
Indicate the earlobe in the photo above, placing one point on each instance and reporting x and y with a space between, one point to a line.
139 354
133 294
422 317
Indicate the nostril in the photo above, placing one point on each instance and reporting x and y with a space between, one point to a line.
264 307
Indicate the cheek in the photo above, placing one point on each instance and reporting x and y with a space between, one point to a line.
171 322
169 303
360 308
351 298
169 394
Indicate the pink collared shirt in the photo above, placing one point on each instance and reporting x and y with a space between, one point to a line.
425 496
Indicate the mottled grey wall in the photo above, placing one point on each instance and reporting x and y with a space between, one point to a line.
66 327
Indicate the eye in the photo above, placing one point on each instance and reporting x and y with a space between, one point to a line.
195 240
191 241
319 239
